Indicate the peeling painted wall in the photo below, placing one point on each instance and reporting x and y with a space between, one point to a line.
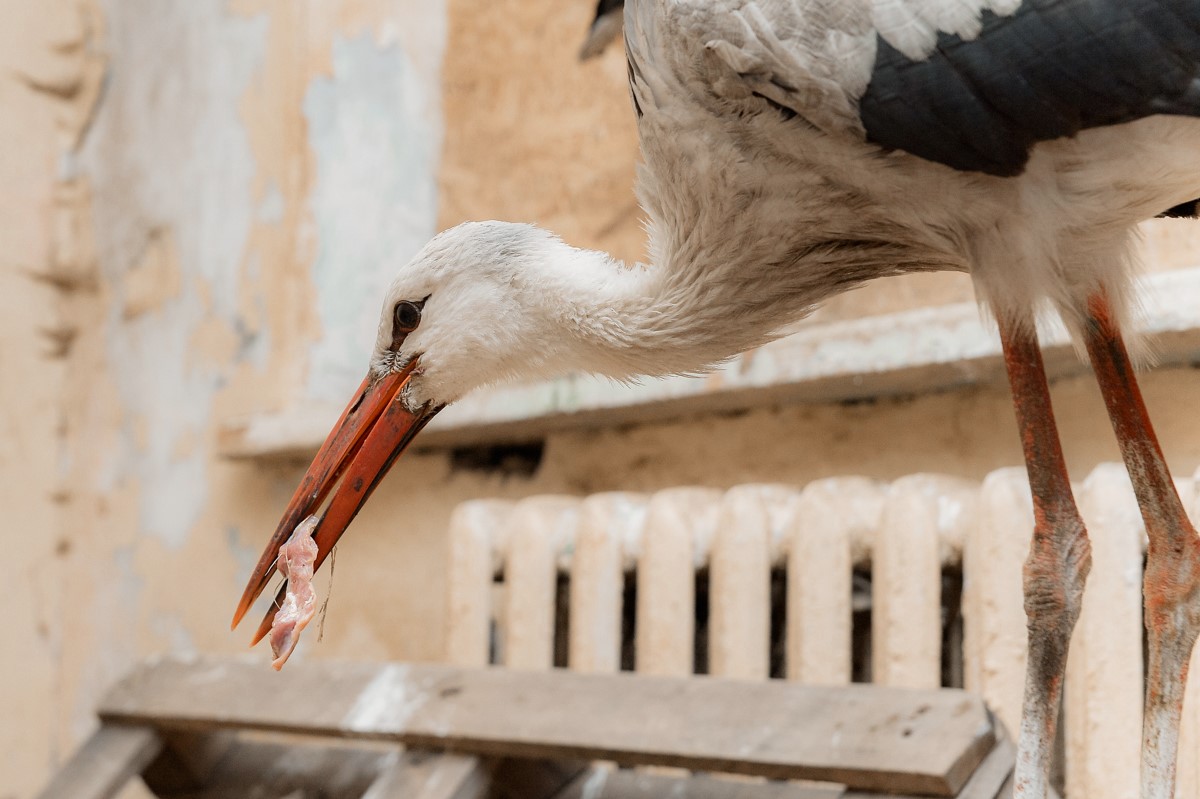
46 86
171 240
374 131
179 176
198 203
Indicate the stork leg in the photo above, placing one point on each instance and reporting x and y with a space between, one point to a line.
1171 590
1058 562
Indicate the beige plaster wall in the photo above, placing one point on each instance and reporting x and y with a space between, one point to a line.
45 93
173 252
28 396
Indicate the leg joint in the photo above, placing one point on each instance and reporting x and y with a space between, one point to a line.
1060 557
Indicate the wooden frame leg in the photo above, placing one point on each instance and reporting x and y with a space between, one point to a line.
105 763
437 776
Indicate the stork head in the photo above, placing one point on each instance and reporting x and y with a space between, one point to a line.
481 303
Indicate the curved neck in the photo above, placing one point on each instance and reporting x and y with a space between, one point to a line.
660 319
709 298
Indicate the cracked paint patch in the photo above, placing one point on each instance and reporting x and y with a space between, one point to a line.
177 74
374 201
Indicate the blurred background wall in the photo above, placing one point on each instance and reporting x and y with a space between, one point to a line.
200 201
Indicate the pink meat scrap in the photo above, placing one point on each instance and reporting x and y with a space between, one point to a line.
295 561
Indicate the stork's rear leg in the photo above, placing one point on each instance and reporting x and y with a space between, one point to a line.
1172 580
1058 563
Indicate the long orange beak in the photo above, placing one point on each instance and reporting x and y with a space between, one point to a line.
373 431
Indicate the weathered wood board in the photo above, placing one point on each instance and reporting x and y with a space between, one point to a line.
991 779
865 737
110 758
274 770
431 776
601 783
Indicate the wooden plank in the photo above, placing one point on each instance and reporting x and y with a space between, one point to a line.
431 775
273 770
990 780
867 737
113 755
607 783
994 772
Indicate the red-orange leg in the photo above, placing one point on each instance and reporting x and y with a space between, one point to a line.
1058 563
1171 590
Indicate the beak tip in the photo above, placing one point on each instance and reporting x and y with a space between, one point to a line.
240 613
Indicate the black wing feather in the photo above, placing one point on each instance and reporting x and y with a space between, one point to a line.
1051 69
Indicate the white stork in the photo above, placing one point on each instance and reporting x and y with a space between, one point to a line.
793 149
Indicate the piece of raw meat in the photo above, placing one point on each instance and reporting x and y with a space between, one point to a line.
295 563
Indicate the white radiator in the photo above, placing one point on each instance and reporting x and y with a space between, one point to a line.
506 560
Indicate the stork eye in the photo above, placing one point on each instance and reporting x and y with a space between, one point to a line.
405 318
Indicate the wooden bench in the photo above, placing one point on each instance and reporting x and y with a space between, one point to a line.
209 727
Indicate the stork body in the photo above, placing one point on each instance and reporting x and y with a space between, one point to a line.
794 149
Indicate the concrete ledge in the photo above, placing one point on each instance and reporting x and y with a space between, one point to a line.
923 351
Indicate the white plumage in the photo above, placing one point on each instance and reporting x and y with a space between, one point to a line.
755 220
778 142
